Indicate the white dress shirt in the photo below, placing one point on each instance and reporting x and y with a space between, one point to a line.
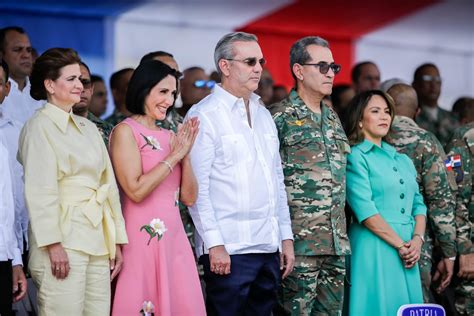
10 131
9 249
242 202
19 105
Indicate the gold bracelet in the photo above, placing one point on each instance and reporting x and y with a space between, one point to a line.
166 162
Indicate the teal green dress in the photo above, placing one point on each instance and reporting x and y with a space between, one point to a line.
381 181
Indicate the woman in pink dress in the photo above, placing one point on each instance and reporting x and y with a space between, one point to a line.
154 171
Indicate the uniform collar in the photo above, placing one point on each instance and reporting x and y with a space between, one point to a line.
303 111
62 118
367 146
404 119
230 100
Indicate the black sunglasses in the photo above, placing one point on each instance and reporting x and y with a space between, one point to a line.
251 61
324 67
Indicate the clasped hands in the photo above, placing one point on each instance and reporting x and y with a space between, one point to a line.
410 252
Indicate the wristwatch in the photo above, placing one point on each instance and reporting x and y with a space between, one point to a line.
421 237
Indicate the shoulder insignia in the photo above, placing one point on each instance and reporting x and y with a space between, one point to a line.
454 163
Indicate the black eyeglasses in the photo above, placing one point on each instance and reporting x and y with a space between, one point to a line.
324 67
86 83
251 61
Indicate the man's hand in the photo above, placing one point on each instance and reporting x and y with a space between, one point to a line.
287 257
444 270
466 266
19 283
219 260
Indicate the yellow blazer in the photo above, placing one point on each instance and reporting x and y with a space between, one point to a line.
70 187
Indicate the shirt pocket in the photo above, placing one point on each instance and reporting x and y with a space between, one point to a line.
235 149
303 149
271 143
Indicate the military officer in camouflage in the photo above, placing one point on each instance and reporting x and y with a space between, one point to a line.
427 83
82 107
461 159
313 148
428 157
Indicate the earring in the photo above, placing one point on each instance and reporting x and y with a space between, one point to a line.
301 78
360 124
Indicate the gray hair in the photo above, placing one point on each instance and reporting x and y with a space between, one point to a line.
298 52
224 48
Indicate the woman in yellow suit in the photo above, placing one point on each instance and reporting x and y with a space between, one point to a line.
76 223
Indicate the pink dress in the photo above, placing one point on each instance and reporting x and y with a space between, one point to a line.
163 272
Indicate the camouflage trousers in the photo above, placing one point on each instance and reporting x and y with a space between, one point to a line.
426 264
315 287
464 298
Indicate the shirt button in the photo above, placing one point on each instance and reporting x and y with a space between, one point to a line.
403 210
395 169
402 196
401 181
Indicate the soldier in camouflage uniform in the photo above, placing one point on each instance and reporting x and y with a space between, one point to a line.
461 158
104 127
427 83
118 85
172 120
428 157
313 148
82 107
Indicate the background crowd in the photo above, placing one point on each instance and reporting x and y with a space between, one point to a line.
253 176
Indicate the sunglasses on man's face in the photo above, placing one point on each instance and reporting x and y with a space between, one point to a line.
429 78
201 84
251 61
324 67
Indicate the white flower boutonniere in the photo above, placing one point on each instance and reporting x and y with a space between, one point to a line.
156 228
152 142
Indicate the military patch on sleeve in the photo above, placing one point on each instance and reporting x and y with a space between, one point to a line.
454 163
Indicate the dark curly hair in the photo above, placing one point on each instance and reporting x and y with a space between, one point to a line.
48 66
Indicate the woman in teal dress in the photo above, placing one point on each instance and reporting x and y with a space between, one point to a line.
386 233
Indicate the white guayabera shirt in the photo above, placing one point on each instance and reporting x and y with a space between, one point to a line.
10 130
9 248
242 202
19 105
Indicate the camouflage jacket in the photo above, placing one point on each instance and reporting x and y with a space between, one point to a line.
115 118
314 164
104 127
428 157
462 144
443 127
172 120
